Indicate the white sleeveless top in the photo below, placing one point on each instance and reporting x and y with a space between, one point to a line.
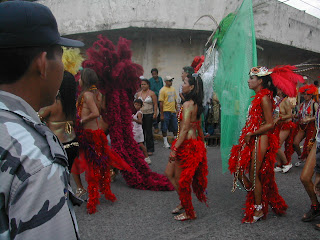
147 107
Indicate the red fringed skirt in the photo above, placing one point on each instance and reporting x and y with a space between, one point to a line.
270 194
310 131
192 157
288 144
96 158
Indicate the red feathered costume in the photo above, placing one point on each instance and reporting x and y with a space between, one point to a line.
308 128
95 158
286 80
240 161
192 156
119 78
288 144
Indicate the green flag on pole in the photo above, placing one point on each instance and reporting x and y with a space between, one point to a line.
237 55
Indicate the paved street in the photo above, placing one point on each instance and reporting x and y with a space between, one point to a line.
147 215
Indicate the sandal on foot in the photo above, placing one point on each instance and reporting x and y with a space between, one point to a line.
80 192
255 219
183 217
317 227
177 209
311 214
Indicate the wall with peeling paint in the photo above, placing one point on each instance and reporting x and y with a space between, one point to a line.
161 30
274 21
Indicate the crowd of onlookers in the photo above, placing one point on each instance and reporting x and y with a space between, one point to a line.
159 104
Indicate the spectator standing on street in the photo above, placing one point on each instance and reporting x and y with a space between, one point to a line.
185 71
168 108
137 128
156 84
149 110
35 197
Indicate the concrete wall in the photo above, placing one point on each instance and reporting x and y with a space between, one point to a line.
161 30
170 50
167 50
274 21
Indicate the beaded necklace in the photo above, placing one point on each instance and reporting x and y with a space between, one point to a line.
305 108
179 119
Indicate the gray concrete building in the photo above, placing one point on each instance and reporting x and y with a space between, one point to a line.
164 34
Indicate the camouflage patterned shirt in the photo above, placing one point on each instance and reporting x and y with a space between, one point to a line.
35 197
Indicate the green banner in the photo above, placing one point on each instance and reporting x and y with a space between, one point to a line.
237 55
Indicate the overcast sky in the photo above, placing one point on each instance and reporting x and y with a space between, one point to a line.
312 7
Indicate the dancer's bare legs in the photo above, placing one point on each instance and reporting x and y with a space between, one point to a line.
281 157
177 174
254 171
170 174
296 142
306 177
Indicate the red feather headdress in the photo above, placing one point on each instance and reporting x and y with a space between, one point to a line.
285 79
197 63
308 89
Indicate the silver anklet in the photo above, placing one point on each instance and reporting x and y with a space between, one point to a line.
258 207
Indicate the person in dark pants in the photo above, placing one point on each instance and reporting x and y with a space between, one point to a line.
156 84
149 110
168 108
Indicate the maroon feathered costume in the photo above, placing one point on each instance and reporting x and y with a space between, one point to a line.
119 78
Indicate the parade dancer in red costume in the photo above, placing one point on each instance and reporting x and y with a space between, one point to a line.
306 127
309 115
119 80
256 151
285 127
95 156
188 154
286 82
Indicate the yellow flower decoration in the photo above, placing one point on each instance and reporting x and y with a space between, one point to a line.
72 59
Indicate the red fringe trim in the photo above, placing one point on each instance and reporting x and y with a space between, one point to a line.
288 144
120 126
310 133
270 195
193 161
96 158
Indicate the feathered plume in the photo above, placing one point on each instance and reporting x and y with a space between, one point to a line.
197 63
114 67
71 59
308 89
286 80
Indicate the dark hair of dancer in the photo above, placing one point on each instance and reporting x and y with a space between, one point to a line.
88 78
268 84
67 95
15 62
146 80
196 94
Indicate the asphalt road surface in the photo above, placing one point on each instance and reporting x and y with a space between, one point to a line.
147 214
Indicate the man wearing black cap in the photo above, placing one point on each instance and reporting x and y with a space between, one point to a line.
35 197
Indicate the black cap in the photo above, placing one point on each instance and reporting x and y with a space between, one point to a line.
28 24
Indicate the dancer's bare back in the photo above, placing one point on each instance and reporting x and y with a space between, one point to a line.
90 114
